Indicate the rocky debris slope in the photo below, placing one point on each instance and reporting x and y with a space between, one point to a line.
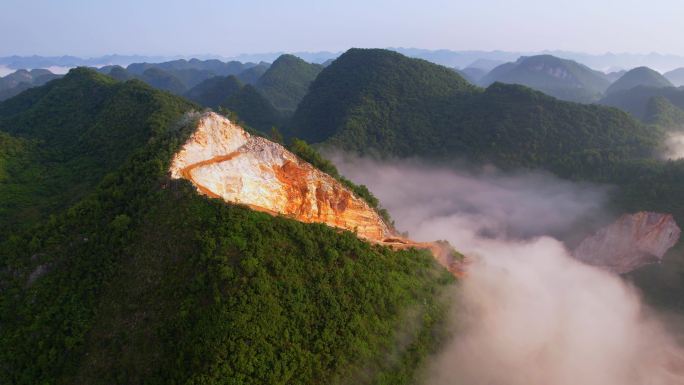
224 161
634 240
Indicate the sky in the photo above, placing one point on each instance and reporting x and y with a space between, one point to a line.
229 27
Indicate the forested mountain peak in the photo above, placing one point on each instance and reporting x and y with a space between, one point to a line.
383 103
372 78
640 76
287 81
562 78
119 270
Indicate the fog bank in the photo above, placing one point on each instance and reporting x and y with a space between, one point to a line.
527 312
4 71
674 146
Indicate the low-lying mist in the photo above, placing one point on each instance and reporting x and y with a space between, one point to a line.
4 71
674 146
527 313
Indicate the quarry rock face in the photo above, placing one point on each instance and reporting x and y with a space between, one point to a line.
224 161
634 240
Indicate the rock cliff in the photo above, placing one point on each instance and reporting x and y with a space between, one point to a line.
224 161
634 240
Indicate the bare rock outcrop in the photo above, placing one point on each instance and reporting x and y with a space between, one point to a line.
633 241
224 161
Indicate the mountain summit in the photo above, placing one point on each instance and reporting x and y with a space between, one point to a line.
640 76
561 78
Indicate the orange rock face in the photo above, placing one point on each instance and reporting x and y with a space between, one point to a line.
223 161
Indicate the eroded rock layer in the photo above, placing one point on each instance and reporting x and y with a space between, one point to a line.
632 241
223 161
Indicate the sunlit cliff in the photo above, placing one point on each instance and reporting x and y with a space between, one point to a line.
224 161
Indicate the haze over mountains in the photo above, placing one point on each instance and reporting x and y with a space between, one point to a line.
564 79
449 58
561 78
320 193
142 241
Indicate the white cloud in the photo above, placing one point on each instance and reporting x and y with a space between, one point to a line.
674 146
527 313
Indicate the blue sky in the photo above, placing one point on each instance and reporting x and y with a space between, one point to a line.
228 27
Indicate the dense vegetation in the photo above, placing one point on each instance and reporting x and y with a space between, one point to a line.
162 80
214 91
21 80
370 94
382 103
66 136
261 95
639 102
252 75
640 76
656 186
662 113
244 101
287 81
561 78
252 108
179 76
142 280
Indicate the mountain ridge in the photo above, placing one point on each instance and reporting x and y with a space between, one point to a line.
561 78
640 76
143 280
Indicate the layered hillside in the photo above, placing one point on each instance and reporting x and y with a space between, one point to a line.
214 91
561 78
640 76
228 92
473 75
66 136
391 92
253 109
160 79
661 112
21 80
252 75
675 77
139 279
286 81
639 101
179 76
382 103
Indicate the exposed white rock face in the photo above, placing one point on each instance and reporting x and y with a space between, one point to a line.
632 241
223 161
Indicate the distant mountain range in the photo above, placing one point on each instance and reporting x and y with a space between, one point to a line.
451 58
21 80
675 76
113 271
381 102
562 78
35 61
269 93
263 95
